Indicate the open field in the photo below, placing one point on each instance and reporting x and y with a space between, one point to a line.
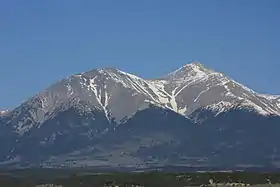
74 178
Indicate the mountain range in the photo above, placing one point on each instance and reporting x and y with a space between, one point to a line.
192 117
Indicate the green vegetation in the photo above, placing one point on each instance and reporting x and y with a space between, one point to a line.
153 179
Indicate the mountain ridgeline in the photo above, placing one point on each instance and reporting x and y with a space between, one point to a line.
192 117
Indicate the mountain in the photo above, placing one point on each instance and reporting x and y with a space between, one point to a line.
193 116
194 86
3 112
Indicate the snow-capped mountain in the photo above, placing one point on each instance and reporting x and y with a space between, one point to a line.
104 108
195 86
119 95
3 112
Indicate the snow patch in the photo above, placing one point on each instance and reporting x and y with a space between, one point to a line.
173 100
4 112
269 97
70 90
219 107
244 87
98 93
256 107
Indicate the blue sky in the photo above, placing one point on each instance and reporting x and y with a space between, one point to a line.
44 41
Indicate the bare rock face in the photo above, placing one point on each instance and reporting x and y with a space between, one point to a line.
110 117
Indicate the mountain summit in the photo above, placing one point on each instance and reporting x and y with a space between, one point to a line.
79 111
120 95
196 86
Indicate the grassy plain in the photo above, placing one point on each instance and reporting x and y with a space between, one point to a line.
74 178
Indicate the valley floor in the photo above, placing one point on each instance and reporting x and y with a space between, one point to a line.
50 178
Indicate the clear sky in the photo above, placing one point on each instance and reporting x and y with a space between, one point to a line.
45 40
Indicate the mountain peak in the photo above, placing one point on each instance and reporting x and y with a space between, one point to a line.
100 71
108 69
194 63
198 65
190 70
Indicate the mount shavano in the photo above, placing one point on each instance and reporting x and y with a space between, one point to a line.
193 116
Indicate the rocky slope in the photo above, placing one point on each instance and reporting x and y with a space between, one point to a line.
109 117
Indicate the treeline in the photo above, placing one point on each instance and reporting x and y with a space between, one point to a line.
155 179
